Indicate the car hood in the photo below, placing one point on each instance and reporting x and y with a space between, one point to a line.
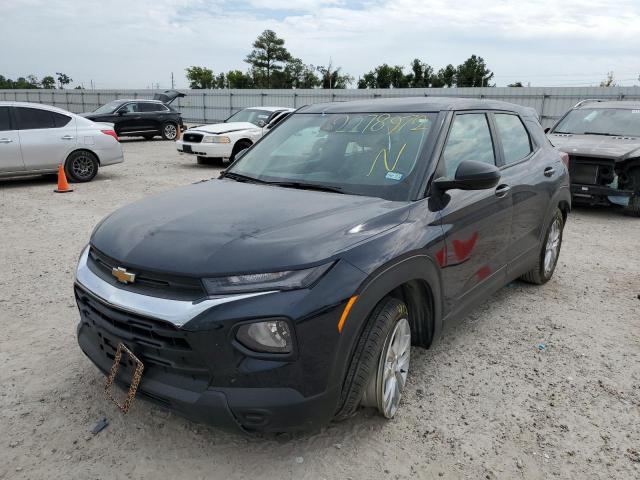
222 226
218 128
617 148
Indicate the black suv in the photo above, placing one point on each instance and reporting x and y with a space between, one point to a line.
288 292
142 118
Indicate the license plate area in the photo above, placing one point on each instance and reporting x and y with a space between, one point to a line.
133 384
187 149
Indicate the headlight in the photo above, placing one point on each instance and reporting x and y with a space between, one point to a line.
271 336
215 139
288 280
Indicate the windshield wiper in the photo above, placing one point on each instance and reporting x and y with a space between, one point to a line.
599 133
308 186
238 177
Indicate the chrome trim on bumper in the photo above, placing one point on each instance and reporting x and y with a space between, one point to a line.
177 312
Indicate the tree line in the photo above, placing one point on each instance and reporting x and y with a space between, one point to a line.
31 81
271 65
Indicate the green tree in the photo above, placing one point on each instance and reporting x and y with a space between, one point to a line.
446 77
516 84
221 81
200 78
384 76
48 82
473 73
421 74
237 79
298 75
267 56
333 78
63 79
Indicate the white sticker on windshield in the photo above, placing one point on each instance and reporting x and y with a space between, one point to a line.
393 176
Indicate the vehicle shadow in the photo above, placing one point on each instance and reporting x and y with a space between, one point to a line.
50 179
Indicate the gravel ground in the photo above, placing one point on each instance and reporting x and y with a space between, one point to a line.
484 402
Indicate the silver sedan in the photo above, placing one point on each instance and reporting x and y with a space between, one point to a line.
36 138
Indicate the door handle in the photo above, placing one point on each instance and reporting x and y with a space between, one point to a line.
67 137
5 140
502 190
549 171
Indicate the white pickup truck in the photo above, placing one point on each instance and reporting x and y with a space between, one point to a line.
225 140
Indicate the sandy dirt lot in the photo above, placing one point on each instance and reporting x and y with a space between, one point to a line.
484 402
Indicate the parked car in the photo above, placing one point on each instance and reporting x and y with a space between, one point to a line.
238 132
36 138
142 118
288 292
602 140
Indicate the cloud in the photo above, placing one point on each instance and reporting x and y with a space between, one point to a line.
136 43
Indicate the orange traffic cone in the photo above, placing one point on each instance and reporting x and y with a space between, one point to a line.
63 186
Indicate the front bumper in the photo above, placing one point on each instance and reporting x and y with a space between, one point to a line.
192 366
211 150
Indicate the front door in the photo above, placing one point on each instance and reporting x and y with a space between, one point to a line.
477 224
10 156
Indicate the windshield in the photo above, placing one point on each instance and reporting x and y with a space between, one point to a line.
373 154
250 115
601 121
108 107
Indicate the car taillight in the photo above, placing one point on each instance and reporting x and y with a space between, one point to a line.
112 133
564 156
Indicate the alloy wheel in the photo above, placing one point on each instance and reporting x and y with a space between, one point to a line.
83 167
552 248
384 391
170 131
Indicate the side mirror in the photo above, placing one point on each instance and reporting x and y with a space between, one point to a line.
261 123
240 154
121 112
547 130
470 175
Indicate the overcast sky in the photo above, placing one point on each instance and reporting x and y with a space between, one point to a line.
137 43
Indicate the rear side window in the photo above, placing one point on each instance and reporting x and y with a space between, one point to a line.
469 139
60 120
34 118
5 121
516 143
151 107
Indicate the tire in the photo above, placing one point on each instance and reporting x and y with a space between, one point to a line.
81 166
633 208
169 131
543 271
238 147
368 362
148 137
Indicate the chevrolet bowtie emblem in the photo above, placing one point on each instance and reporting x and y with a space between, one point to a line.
122 275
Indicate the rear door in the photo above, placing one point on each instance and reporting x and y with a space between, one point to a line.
46 137
153 115
522 165
10 155
477 224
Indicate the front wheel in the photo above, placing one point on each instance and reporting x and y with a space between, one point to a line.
81 166
549 252
169 131
633 207
378 370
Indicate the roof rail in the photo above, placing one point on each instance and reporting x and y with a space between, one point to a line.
587 100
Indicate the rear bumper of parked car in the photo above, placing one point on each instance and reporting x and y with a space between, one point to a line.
110 156
211 150
599 194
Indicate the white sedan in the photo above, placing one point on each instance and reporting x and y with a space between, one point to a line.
36 138
236 133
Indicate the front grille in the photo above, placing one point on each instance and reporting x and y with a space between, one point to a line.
192 137
146 283
162 347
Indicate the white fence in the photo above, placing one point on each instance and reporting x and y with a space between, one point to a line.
215 105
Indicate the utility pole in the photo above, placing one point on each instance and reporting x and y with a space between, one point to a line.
173 85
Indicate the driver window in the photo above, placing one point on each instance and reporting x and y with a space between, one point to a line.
129 108
469 139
